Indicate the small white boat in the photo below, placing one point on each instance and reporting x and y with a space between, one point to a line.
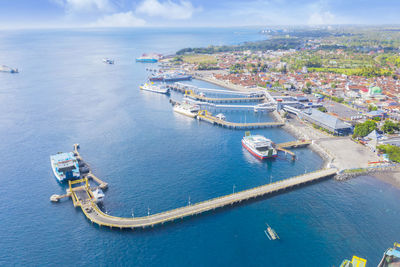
108 61
98 195
270 233
186 109
221 117
161 89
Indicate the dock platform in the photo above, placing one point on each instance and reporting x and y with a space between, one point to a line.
193 95
204 115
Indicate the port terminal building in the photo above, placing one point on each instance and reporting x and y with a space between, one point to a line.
321 119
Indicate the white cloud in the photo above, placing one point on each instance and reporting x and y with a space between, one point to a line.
167 9
85 5
318 18
122 19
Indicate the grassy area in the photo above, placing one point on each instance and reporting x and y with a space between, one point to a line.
359 170
199 59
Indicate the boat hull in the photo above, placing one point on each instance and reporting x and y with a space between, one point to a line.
184 112
255 152
147 60
165 92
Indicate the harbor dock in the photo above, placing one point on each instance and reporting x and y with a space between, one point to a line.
95 215
182 88
284 147
204 115
193 95
82 196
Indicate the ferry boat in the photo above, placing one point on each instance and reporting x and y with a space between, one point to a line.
108 61
98 195
156 78
161 89
147 59
151 58
65 166
259 146
170 77
4 68
186 109
176 77
391 257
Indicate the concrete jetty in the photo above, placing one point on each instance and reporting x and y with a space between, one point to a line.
294 144
204 115
95 215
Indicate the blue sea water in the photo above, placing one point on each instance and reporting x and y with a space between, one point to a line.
155 159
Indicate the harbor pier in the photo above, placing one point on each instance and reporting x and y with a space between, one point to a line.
95 215
193 95
204 115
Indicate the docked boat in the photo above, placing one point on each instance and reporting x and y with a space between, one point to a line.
161 89
187 109
176 77
156 78
221 117
259 146
391 257
98 195
65 166
108 61
170 77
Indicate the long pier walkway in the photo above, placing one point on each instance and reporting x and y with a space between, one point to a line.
205 116
95 215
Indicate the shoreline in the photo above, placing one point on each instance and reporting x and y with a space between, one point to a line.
389 175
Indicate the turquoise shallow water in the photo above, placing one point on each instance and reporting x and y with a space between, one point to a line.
154 158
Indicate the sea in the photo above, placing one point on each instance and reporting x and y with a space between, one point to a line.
155 160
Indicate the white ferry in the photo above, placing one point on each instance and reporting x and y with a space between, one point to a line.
161 89
186 109
65 166
259 146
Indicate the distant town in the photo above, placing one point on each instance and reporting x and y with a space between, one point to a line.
350 76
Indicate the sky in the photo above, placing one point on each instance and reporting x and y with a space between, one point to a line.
194 13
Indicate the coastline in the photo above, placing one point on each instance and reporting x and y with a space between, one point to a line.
389 175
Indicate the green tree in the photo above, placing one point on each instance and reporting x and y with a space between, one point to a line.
371 107
392 151
364 129
390 127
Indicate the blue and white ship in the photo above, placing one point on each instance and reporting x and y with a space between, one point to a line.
65 166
